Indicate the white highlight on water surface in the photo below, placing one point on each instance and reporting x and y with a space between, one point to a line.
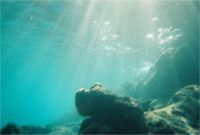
104 38
104 30
165 35
146 67
115 36
170 37
95 21
160 29
154 19
150 36
30 18
107 23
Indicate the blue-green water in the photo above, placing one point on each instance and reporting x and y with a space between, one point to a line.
50 49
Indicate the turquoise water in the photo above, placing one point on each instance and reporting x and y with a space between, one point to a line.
50 49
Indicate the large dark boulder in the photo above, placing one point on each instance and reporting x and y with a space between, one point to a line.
108 113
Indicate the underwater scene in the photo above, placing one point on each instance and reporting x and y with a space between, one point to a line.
100 67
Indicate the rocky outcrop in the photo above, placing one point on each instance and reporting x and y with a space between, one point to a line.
187 102
174 69
180 116
68 129
108 113
11 128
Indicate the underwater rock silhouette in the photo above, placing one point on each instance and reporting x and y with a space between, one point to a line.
180 116
11 128
108 113
121 115
50 129
174 69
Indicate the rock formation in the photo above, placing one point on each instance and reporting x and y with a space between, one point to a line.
108 113
180 116
174 69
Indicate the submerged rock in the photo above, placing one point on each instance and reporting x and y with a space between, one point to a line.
108 113
174 69
180 116
11 128
150 104
188 104
97 86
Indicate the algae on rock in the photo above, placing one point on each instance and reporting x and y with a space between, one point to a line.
180 116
